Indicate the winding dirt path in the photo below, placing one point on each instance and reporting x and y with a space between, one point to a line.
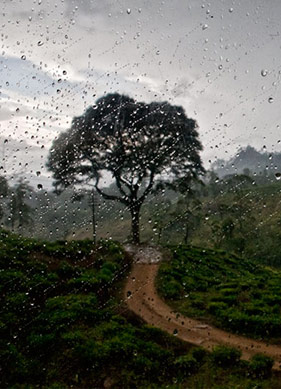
142 299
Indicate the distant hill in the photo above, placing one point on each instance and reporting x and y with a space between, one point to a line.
255 162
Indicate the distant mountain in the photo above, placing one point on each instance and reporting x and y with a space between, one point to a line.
249 161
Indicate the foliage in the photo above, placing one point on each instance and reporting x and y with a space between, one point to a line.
135 142
61 326
4 190
20 210
261 366
233 293
225 356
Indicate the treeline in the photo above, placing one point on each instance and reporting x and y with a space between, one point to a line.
16 212
238 213
42 214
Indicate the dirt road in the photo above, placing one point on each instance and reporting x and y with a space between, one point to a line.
142 299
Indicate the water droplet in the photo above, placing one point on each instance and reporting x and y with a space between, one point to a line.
204 27
23 57
175 332
264 72
64 72
278 176
220 67
231 10
129 11
270 100
40 43
39 186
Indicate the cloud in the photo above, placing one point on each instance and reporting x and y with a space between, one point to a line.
158 50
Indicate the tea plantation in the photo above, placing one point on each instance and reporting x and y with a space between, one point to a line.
63 325
230 292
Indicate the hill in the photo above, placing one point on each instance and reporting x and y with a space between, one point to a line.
63 325
222 289
255 162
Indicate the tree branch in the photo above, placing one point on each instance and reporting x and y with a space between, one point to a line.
148 188
110 197
119 185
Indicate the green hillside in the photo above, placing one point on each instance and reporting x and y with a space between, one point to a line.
63 325
230 292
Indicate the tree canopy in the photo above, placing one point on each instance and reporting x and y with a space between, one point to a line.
141 145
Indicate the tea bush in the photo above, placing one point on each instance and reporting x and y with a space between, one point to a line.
233 293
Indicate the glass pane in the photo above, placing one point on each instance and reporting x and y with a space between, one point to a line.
140 193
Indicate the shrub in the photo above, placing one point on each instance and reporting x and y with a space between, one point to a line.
172 290
228 291
225 356
261 366
198 353
215 307
186 365
65 270
198 302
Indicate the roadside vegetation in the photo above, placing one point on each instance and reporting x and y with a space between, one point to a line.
64 325
232 293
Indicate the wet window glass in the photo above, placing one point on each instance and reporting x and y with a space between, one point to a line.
140 191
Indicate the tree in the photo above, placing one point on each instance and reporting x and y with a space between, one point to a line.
188 207
161 217
137 143
4 190
20 211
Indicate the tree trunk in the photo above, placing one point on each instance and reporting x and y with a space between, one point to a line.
94 217
159 235
135 214
186 233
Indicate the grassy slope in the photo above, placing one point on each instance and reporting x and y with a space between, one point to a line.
223 289
61 326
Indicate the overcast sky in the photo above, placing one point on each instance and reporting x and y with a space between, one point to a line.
220 60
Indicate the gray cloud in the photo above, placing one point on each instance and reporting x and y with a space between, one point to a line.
208 58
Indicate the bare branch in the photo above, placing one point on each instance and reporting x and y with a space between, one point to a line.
110 197
148 188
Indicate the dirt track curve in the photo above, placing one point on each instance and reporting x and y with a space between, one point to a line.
142 299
